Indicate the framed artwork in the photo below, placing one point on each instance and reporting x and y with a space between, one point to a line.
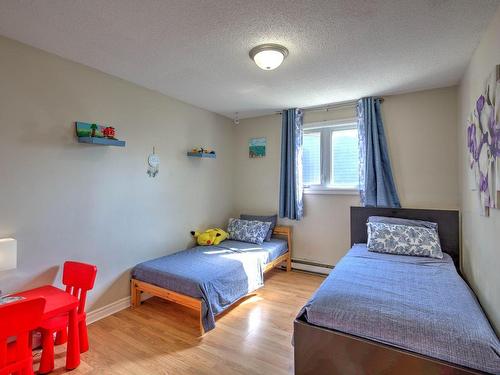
483 142
257 147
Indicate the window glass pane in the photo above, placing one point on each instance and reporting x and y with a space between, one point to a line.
345 158
311 159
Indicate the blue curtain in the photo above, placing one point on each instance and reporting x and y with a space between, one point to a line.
376 184
290 205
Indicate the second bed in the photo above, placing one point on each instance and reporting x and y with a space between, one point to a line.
391 314
209 279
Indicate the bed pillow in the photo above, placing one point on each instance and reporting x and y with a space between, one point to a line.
404 240
252 231
396 220
266 219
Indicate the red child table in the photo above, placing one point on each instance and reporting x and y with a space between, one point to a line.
59 302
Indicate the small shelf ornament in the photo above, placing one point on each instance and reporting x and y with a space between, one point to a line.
201 153
97 134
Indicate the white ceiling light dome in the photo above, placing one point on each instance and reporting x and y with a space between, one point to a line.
268 56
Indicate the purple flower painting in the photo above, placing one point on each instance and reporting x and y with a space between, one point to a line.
483 182
483 144
480 104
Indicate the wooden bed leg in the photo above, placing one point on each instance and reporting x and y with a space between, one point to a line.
289 263
135 294
202 331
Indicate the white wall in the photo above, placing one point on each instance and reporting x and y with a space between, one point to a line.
421 133
63 200
480 235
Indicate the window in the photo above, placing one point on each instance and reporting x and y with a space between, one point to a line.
311 158
330 157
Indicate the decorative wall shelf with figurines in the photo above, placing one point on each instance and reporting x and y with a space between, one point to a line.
97 134
201 153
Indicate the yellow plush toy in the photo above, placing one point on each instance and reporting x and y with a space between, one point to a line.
210 237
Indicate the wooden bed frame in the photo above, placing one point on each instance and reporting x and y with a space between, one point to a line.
137 287
319 350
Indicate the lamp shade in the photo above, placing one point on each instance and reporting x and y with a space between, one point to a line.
268 60
268 56
8 254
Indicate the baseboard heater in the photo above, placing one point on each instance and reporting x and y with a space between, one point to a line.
309 266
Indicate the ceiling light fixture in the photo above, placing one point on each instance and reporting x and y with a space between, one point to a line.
268 56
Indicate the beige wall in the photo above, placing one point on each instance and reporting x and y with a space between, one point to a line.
480 235
63 200
422 137
321 235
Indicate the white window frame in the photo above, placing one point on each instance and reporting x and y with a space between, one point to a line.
326 128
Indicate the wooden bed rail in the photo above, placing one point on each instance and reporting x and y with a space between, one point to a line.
283 230
137 287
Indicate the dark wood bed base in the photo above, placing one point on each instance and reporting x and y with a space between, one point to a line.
321 350
138 287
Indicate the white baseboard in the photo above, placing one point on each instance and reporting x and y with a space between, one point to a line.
112 308
105 311
311 268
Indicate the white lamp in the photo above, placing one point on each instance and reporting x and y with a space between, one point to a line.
268 56
8 254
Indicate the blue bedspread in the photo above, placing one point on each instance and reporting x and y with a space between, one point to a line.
219 275
415 303
269 250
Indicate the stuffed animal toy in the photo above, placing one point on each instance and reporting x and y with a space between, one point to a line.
210 237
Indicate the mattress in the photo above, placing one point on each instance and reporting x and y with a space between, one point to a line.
219 275
414 303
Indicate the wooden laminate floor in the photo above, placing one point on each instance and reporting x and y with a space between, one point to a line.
254 337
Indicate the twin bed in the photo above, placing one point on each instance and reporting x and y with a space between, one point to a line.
209 279
393 314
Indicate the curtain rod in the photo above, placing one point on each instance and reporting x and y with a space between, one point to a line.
328 107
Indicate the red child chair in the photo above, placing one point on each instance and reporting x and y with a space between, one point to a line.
79 278
18 319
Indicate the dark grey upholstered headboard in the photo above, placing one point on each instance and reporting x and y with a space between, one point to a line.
447 220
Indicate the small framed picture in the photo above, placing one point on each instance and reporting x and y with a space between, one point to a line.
257 148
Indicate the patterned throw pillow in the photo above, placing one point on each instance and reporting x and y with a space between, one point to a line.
248 230
268 219
395 220
404 240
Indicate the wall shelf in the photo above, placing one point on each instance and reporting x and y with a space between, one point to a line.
101 141
201 155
